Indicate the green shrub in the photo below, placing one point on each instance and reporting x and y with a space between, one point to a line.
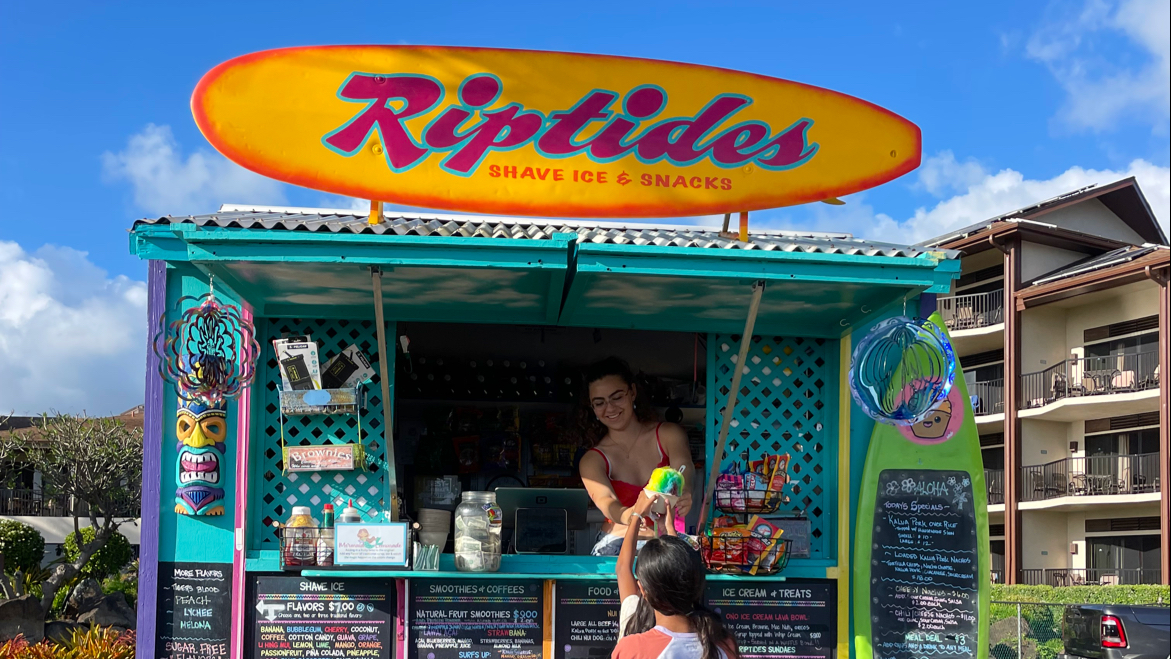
21 545
111 558
127 585
1144 594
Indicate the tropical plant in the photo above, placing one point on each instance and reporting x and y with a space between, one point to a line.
94 462
21 545
109 559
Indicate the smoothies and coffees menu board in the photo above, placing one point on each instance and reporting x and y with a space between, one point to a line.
476 619
923 583
586 619
299 618
778 620
194 610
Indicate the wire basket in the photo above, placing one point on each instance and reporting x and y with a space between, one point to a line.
306 547
744 500
743 553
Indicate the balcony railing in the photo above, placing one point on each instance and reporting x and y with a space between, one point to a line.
994 479
962 312
1091 576
1091 476
987 397
34 503
1091 376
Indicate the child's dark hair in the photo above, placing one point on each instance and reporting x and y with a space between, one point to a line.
671 575
588 426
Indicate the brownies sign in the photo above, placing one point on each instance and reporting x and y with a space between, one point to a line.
545 133
330 457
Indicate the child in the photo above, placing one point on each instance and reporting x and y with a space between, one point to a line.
668 620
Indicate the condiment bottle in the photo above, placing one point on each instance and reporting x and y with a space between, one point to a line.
325 539
350 514
300 538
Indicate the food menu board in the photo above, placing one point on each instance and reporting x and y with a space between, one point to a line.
301 618
476 618
924 566
585 619
778 620
194 610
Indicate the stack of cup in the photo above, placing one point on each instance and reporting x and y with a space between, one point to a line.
434 525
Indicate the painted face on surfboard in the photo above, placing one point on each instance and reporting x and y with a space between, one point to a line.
940 425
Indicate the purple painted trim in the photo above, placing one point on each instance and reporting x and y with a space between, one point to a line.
152 455
239 575
402 586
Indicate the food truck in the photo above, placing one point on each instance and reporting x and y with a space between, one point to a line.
386 364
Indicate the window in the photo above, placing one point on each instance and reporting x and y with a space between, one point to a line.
1130 559
993 457
1131 345
1131 442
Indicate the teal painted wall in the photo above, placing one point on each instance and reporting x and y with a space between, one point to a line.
186 537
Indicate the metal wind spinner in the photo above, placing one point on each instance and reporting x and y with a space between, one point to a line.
209 352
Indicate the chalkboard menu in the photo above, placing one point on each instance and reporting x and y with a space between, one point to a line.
784 619
194 610
923 585
476 619
586 619
309 618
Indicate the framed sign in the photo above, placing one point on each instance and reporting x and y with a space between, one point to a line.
371 544
330 457
550 134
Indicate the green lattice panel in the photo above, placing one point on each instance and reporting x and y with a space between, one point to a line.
780 409
279 492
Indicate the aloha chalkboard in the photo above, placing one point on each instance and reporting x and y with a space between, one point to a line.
295 617
924 561
476 619
586 619
791 619
194 611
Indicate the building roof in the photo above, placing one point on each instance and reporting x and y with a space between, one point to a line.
1108 260
1124 198
598 232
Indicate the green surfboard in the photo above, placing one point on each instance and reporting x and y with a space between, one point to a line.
921 559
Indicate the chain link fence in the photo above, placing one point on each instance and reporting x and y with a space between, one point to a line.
1026 630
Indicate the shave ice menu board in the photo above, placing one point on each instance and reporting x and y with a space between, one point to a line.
778 619
300 618
923 583
194 610
476 619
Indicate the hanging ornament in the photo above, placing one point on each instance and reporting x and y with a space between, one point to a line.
902 370
209 352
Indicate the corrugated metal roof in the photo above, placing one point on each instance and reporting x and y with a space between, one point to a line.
1107 260
598 232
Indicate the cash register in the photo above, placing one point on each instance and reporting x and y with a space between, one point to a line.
541 518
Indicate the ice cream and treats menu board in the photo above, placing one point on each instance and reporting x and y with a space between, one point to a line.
476 619
194 610
300 618
924 566
586 619
789 619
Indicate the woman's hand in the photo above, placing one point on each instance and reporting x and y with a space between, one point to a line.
642 506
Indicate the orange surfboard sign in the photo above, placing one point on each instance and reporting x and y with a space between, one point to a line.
544 133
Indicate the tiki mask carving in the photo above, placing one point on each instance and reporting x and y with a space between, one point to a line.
201 428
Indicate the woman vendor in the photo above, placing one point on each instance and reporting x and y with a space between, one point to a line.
628 444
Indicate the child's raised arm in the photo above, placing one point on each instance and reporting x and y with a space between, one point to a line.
624 568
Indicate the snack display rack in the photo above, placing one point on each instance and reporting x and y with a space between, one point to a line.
750 553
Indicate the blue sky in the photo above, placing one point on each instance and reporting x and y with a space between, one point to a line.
1017 102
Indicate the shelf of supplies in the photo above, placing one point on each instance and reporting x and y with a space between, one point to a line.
310 402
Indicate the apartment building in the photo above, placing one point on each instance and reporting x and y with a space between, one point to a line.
24 500
1060 322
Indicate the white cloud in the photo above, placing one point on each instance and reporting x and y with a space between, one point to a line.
72 339
1102 85
167 184
942 173
978 199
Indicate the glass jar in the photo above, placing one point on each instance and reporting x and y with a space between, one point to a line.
478 522
300 539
